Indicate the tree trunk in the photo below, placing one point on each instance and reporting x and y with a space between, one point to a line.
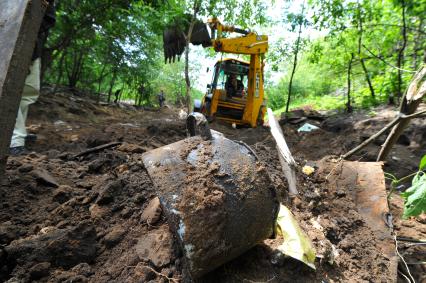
411 100
418 42
367 78
101 78
77 66
188 39
361 58
20 21
296 52
111 85
187 81
348 103
60 71
400 60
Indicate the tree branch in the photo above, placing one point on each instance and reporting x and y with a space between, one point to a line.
387 63
379 133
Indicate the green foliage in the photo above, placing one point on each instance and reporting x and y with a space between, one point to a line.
415 196
103 46
310 87
369 29
422 164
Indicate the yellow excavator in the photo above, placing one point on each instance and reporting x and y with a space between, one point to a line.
235 94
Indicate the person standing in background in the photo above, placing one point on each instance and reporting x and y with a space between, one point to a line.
161 98
32 83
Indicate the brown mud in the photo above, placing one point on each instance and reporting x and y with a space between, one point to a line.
68 219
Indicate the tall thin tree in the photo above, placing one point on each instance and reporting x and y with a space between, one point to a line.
196 8
360 55
300 20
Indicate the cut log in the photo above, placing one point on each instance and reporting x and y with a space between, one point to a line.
286 159
19 24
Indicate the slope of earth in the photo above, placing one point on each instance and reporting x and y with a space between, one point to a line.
72 215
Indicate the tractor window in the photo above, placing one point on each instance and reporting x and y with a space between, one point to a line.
221 79
225 69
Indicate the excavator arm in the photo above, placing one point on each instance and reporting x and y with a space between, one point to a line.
248 44
174 39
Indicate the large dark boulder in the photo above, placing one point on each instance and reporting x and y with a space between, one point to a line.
61 247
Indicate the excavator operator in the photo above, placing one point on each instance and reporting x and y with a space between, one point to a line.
233 86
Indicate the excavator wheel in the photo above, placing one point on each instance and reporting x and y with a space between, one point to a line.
260 117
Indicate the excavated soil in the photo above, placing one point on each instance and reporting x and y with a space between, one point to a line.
70 215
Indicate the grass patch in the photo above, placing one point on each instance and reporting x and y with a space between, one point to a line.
325 102
332 102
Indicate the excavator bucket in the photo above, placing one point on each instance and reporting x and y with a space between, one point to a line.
218 199
174 39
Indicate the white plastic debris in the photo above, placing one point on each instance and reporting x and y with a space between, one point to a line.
307 128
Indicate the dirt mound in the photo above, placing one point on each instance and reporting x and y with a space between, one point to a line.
69 218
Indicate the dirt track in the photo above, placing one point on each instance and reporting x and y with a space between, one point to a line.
68 219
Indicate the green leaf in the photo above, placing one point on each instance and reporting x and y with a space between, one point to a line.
415 197
422 163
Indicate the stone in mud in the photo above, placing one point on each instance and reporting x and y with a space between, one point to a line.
96 140
85 185
8 233
404 140
139 198
69 277
62 194
114 236
60 247
43 177
97 212
144 273
156 247
25 168
83 269
106 195
96 165
39 270
152 213
131 148
126 212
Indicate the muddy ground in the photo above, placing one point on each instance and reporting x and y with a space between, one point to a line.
68 215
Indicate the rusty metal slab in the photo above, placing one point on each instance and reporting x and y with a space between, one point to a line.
366 183
218 199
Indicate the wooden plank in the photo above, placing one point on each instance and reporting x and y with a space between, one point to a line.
286 159
19 24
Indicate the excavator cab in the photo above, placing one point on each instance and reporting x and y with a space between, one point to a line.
226 95
226 100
